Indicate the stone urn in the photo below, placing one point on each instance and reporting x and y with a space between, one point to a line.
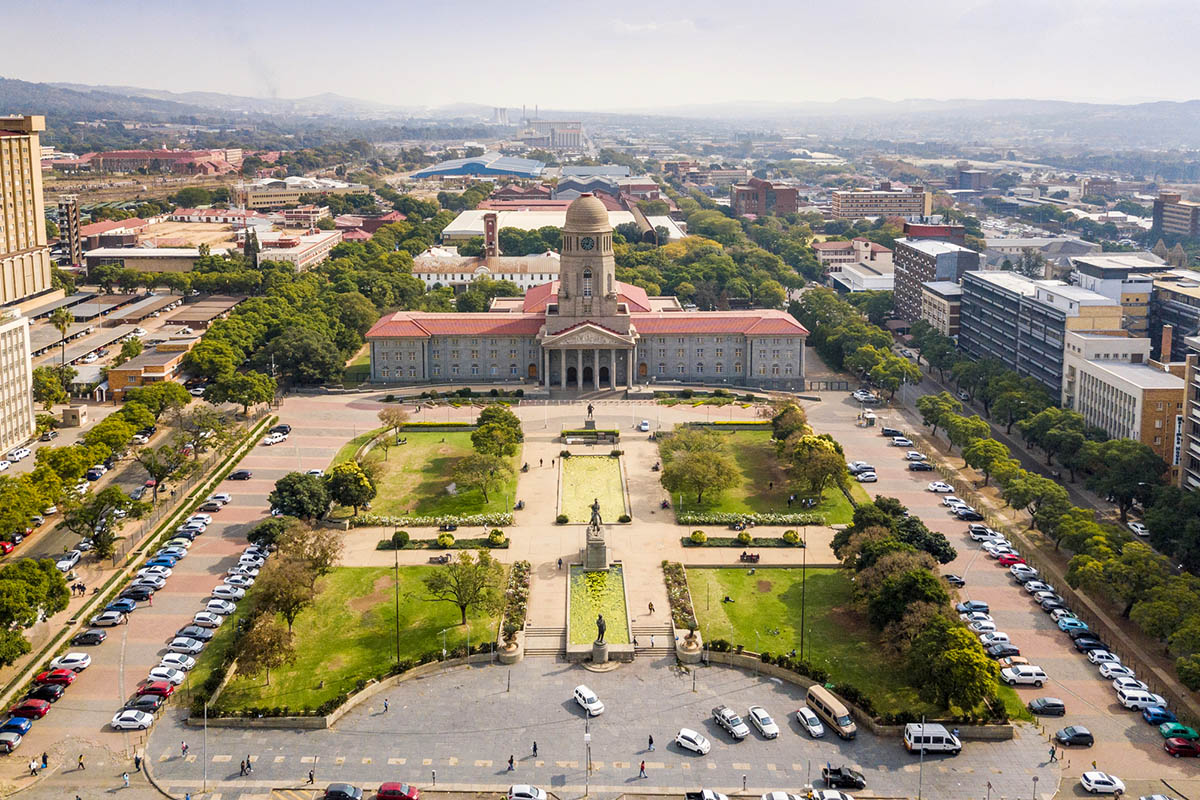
688 647
511 649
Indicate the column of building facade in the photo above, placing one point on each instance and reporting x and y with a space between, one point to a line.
579 368
629 371
562 376
612 368
546 367
596 369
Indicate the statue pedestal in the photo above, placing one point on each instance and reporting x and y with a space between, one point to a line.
589 424
595 555
599 652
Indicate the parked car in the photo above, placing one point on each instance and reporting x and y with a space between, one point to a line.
50 692
690 740
1125 682
226 592
971 605
968 514
91 636
1182 747
1176 730
1138 528
1048 706
727 718
900 441
866 477
62 676
1074 736
195 632
915 455
1002 650
955 580
523 791
809 722
940 487
207 619
1136 699
1086 643
1158 714
993 637
177 661
920 466
210 506
1025 675
241 475
1111 670
168 674
1072 624
761 720
397 791
274 438
130 719
30 709
855 467
106 619
1097 782
21 725
186 645
1103 657
220 607
588 700
982 626
843 777
76 662
159 688
150 703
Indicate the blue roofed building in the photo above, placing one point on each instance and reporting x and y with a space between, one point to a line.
486 164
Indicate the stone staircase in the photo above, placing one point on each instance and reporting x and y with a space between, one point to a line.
545 641
664 640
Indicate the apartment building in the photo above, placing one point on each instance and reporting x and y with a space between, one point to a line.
1112 381
280 192
759 197
1173 214
1123 277
24 269
941 306
1188 438
920 261
1175 302
864 277
860 250
881 202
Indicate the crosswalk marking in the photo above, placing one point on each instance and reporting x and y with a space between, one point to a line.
654 765
620 764
397 760
685 765
453 761
483 763
279 759
427 761
711 765
221 759
252 759
771 767
339 760
366 761
309 759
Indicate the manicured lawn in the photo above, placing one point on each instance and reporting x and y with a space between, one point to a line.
837 639
359 369
586 479
415 477
764 488
593 594
347 451
349 634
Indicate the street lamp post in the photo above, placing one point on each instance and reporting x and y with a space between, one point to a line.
803 587
1035 780
397 583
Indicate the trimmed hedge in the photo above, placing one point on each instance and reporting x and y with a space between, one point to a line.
437 426
483 542
729 518
733 541
501 519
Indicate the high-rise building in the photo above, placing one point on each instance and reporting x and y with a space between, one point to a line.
759 197
919 261
24 268
1173 214
68 229
882 202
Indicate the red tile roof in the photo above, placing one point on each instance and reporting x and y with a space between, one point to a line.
753 322
415 323
537 297
93 228
831 245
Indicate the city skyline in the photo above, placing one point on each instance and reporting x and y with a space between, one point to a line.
631 59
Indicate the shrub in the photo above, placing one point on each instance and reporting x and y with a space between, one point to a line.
720 393
494 393
564 453
400 540
624 518
719 646
699 537
469 520
617 453
496 537
519 393
561 519
744 537
687 394
445 540
389 398
791 537
728 518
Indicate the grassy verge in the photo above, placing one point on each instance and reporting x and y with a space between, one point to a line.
359 369
348 635
837 638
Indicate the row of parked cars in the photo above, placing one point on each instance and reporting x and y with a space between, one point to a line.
48 687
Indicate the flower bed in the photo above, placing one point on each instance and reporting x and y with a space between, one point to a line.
432 544
516 599
593 593
472 521
678 595
437 426
729 518
737 424
732 541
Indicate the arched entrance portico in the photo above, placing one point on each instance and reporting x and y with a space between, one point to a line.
533 370
587 376
643 370
572 376
604 376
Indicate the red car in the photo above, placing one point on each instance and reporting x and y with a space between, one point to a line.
397 791
1008 559
160 688
1181 747
6 547
63 676
30 709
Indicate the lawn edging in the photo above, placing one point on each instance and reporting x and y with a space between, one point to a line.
60 642
753 662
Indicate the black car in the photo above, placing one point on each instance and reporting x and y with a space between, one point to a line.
147 702
920 466
843 778
1081 633
282 428
891 433
48 435
342 791
241 475
195 632
955 580
1087 644
149 430
1075 735
1003 650
50 692
93 636
1048 706
1051 603
968 515
141 592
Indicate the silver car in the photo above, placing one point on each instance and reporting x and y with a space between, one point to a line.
760 719
809 722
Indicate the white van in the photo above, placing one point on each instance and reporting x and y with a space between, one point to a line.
1137 699
930 737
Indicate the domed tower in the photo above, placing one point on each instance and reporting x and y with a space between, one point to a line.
587 269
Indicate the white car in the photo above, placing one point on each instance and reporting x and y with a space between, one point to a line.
809 722
205 519
138 332
588 701
995 551
780 796
240 581
900 441
174 552
993 637
939 487
984 534
523 791
155 571
132 720
689 739
168 674
829 794
90 357
68 560
316 472
177 661
140 438
1098 782
866 477
220 607
760 719
251 561
226 592
1126 682
19 453
951 500
1103 657
223 498
1111 670
1060 613
975 616
275 438
1024 674
151 580
207 619
107 619
982 626
72 661
244 569
182 644
1138 528
644 425
913 455
180 541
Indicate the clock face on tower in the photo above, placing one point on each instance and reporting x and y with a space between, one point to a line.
587 242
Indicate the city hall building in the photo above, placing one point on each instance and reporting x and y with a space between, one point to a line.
589 331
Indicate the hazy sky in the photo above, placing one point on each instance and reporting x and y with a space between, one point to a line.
616 54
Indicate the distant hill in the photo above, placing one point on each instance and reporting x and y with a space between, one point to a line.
327 104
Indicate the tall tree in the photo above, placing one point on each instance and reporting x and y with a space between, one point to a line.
393 418
700 472
160 464
350 486
468 582
1124 469
61 319
284 587
483 471
934 408
244 388
267 645
301 496
982 453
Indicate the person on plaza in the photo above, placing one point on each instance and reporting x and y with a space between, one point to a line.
137 763
651 608
385 705
310 776
80 764
642 769
511 764
45 760
650 743
560 563
32 768
249 765
535 749
1053 753
125 777
243 768
183 748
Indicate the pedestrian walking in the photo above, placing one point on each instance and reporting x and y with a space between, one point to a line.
433 772
650 743
183 748
243 768
32 768
652 641
1093 765
642 769
560 563
511 765
137 763
743 783
45 760
385 705
80 764
541 462
125 777
535 749
310 776
249 765
150 599
651 608
1053 753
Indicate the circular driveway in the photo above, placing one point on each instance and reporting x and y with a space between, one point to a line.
465 723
